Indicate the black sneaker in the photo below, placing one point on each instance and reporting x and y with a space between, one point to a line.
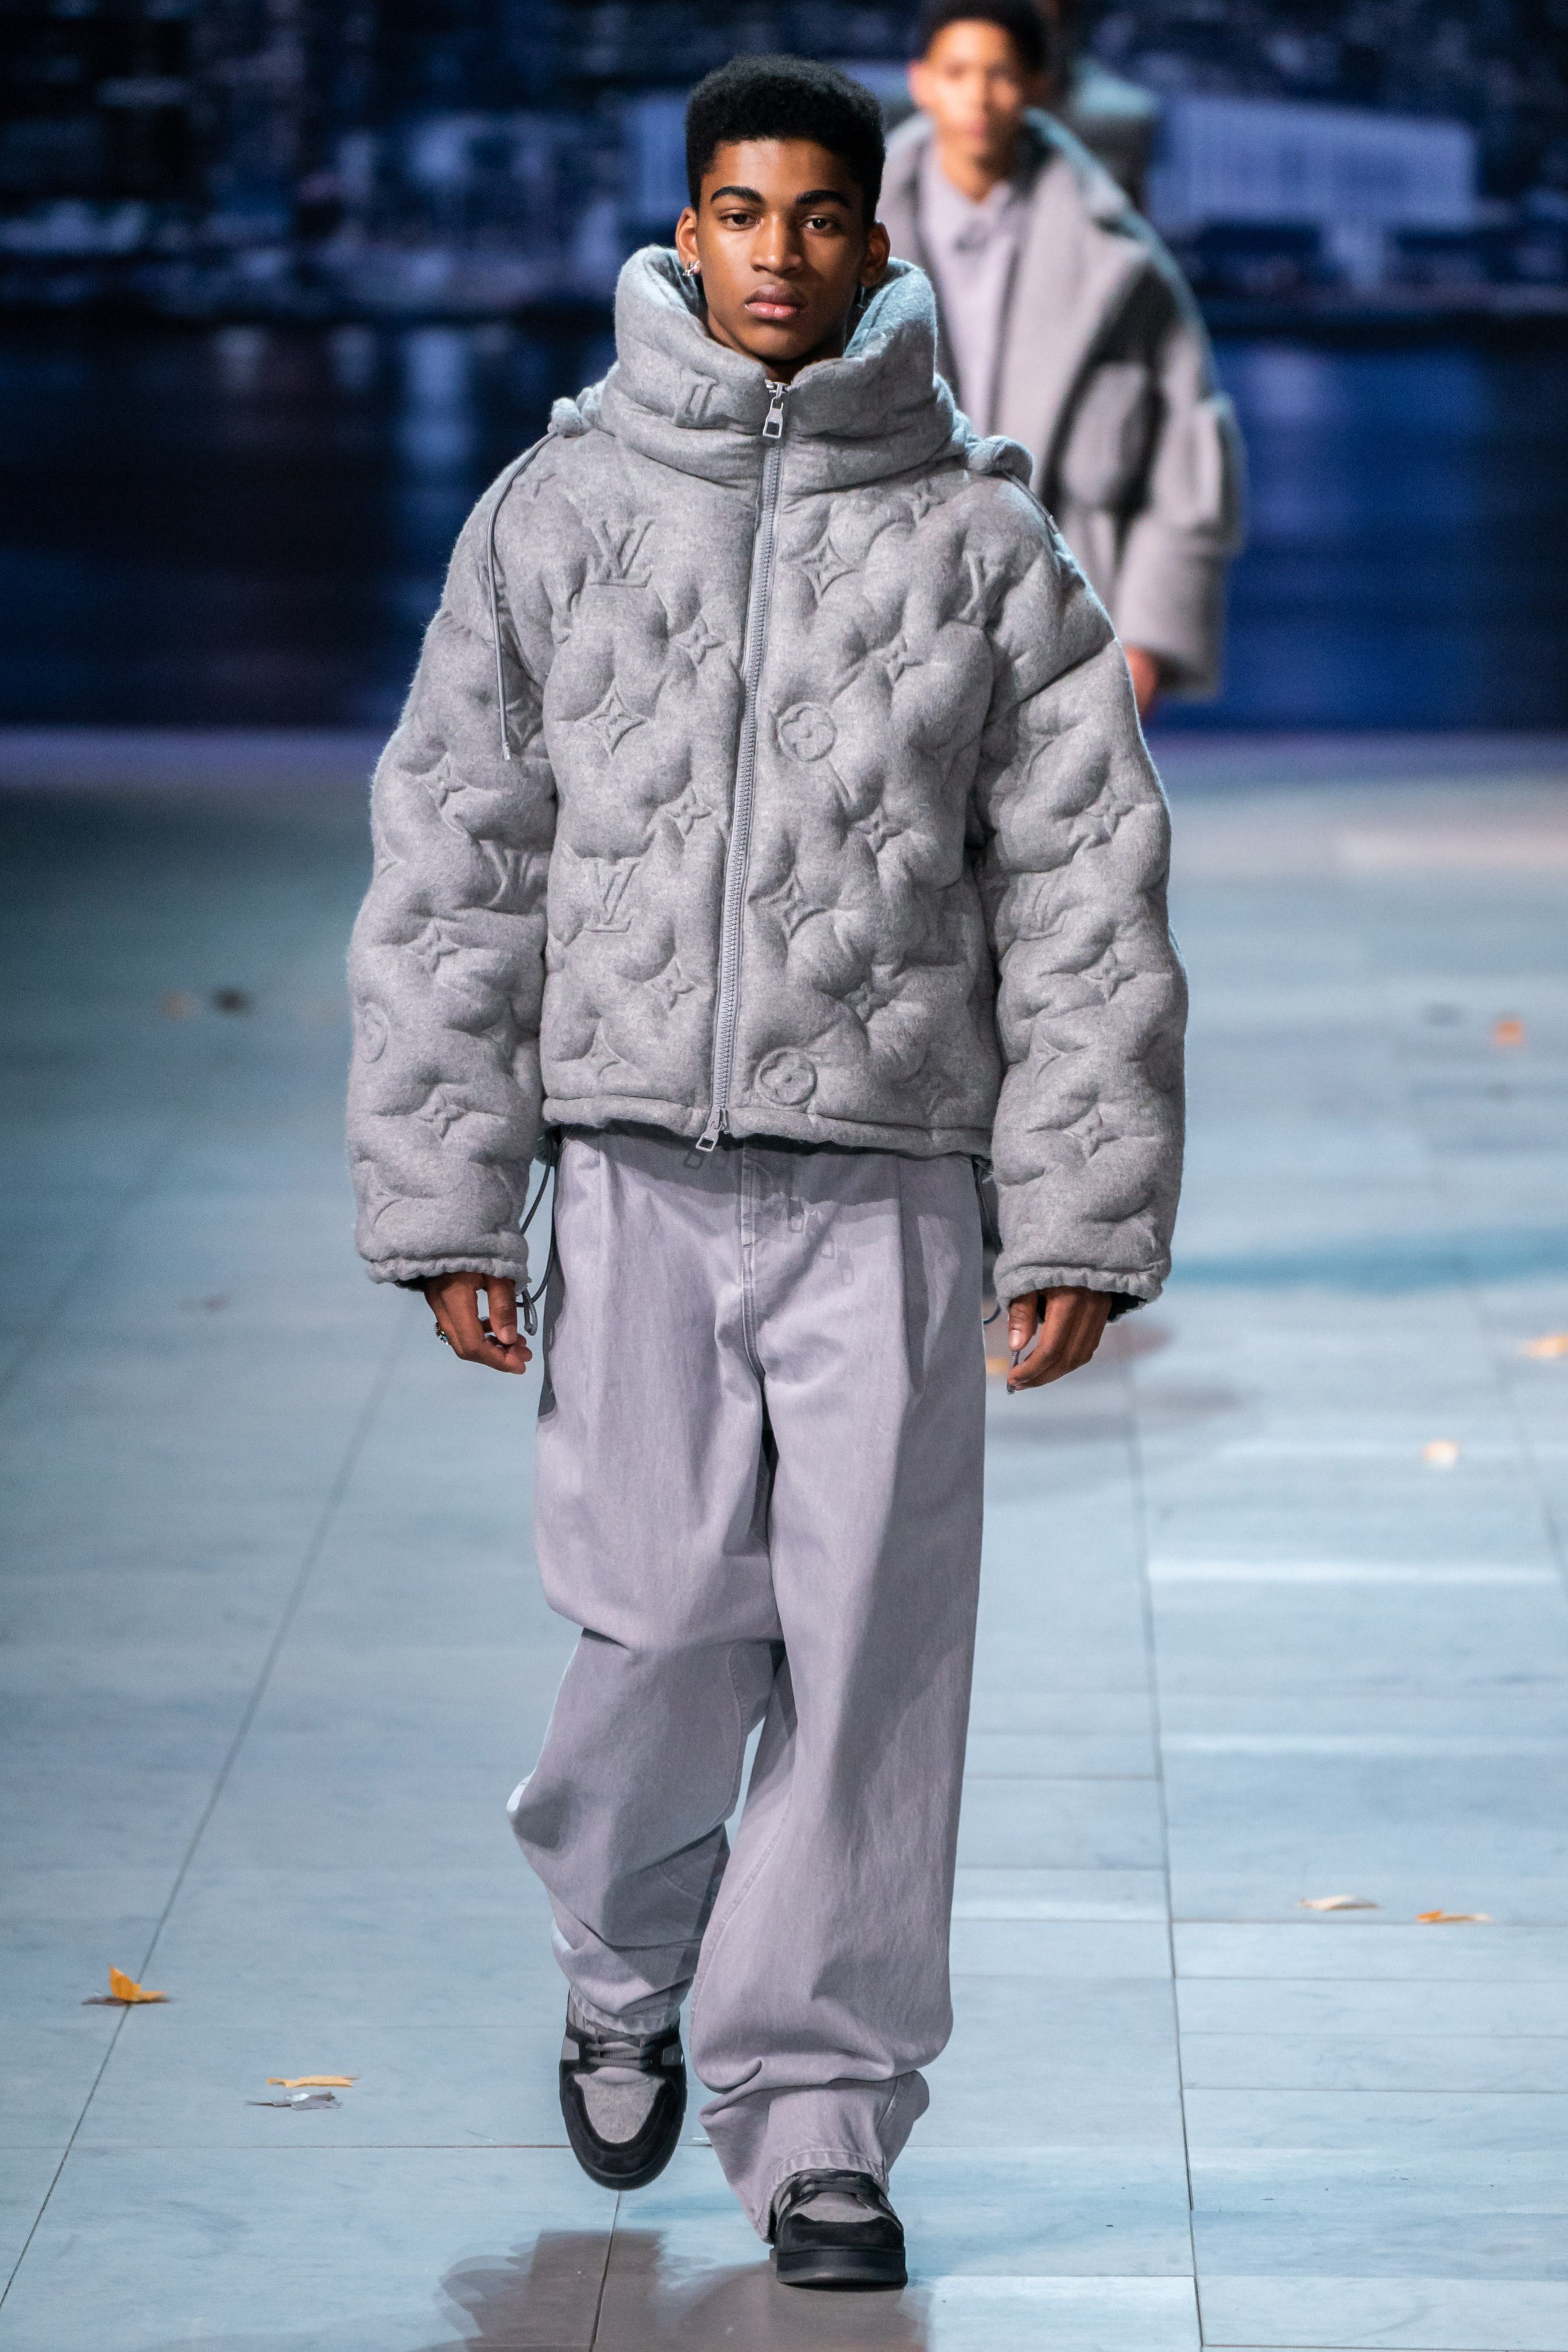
843 2254
629 2162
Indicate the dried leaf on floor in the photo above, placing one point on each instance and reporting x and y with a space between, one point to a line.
300 2099
1335 1903
1551 1343
1449 1918
125 1992
312 2081
1440 1452
1508 1031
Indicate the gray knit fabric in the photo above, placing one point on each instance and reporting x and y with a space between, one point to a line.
952 933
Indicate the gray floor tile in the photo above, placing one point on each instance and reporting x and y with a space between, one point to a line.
26 2174
313 1947
1469 1811
1044 1754
1062 1713
1045 2212
1334 1947
61 1931
1400 1895
1001 1892
1099 1950
1506 2123
1385 2008
1443 2211
1072 1824
1409 2062
347 2249
1413 2315
178 2083
1293 1638
1102 2068
48 2069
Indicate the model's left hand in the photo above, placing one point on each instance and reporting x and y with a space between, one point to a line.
1060 1330
454 1303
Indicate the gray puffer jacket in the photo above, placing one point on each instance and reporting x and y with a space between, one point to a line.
769 769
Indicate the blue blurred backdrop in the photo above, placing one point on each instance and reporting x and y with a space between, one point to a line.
281 287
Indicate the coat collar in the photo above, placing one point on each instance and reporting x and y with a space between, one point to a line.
678 397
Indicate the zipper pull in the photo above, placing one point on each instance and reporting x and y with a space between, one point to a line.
719 1124
773 423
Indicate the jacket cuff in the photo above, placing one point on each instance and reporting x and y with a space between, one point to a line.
408 1272
1127 1290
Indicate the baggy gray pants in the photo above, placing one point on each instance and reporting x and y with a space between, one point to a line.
758 1492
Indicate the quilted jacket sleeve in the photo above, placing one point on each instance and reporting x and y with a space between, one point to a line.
447 969
1092 998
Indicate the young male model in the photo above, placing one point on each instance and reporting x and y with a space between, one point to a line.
1066 324
770 822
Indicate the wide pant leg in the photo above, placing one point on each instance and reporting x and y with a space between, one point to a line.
760 1456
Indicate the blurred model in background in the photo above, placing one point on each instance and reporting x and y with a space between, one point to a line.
1066 325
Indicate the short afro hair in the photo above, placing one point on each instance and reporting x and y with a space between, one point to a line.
1019 19
787 97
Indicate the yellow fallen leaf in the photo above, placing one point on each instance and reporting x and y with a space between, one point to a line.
1335 1903
1508 1031
314 2082
126 1989
1551 1343
1441 1453
1430 1919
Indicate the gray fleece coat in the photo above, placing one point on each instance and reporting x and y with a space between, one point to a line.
1106 377
769 769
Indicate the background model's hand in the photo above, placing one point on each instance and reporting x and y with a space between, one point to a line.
455 1302
1148 676
1065 1325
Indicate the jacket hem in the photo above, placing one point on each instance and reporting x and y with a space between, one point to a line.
747 1122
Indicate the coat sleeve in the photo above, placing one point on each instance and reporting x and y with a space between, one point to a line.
447 964
1170 582
1092 998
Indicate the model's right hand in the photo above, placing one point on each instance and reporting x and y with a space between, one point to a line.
498 1342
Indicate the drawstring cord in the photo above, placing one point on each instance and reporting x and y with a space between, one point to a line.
530 1298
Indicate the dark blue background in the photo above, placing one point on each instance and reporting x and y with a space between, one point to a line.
248 526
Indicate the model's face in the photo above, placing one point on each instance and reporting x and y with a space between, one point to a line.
781 248
973 84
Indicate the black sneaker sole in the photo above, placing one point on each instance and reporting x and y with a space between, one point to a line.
843 2268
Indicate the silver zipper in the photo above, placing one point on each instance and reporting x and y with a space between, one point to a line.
726 1011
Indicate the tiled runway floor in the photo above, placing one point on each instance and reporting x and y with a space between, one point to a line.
272 1656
